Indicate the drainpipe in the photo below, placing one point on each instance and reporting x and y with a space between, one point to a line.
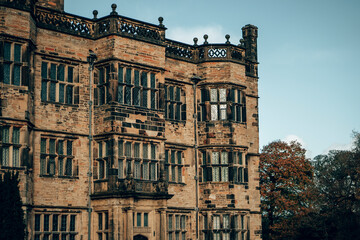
195 80
90 59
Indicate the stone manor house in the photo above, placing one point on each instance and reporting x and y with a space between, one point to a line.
149 139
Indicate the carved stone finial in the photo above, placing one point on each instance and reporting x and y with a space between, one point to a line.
161 19
195 41
113 6
95 13
206 38
242 42
227 36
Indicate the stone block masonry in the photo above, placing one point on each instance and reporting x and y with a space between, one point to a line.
175 146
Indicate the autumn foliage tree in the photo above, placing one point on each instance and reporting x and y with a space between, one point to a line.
286 178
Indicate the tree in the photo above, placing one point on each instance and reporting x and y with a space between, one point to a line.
11 214
285 177
337 179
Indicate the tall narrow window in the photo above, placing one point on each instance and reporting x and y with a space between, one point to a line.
11 64
56 85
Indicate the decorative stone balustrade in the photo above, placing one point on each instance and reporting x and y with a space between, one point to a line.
130 186
115 24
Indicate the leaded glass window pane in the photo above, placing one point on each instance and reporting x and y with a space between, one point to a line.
226 221
72 222
16 75
136 96
138 219
46 222
62 93
16 135
214 112
7 51
120 169
144 102
17 53
128 76
137 170
183 222
170 222
215 157
178 157
216 174
153 151
146 219
61 166
177 112
5 135
144 79
68 167
55 222
69 94
5 156
70 74
61 72
120 96
6 73
222 111
128 149
222 92
153 99
63 223
173 174
179 174
145 151
52 146
166 156
16 158
152 80
52 94
121 148
152 171
53 71
224 158
137 150
146 171
216 222
37 222
69 148
178 94
51 166
43 145
127 95
121 75
43 91
213 95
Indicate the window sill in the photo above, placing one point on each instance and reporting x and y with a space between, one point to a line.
57 104
13 168
57 176
175 121
177 183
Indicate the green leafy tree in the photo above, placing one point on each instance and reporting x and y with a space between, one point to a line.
285 177
11 214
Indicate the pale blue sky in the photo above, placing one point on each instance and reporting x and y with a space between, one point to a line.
308 51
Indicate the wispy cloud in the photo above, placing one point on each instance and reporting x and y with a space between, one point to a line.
181 34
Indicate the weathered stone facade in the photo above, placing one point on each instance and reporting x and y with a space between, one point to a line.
174 140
